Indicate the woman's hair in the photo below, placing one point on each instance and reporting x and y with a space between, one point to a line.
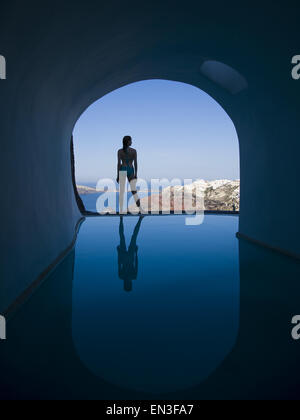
126 142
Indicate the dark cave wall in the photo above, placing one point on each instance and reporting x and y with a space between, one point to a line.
61 57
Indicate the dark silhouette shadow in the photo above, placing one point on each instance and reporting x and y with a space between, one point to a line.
128 259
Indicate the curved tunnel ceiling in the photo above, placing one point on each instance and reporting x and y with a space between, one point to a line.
61 57
218 80
224 76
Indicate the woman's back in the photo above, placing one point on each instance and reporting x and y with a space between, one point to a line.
127 156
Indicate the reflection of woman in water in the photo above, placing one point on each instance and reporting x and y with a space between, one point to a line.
127 168
128 260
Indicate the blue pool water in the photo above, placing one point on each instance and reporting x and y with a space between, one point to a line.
158 310
156 328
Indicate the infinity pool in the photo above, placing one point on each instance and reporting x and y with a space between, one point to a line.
152 308
149 297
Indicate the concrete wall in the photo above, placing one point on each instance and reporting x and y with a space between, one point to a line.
62 56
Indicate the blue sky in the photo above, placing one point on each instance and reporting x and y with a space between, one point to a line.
178 130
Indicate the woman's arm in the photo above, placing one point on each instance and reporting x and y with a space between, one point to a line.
135 164
119 165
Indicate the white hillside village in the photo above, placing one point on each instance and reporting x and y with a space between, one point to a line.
216 195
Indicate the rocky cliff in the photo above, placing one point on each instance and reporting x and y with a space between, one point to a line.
219 195
83 190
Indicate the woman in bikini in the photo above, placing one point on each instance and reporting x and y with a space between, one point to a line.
127 168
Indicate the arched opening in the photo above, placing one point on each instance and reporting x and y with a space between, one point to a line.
181 133
173 281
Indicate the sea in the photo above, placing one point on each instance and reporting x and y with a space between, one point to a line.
112 200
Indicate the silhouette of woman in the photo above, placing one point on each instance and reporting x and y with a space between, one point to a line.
127 169
128 259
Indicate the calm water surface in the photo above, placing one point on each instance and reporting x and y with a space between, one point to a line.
158 309
146 314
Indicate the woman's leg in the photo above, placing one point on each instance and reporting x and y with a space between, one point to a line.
133 180
133 246
122 183
122 235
